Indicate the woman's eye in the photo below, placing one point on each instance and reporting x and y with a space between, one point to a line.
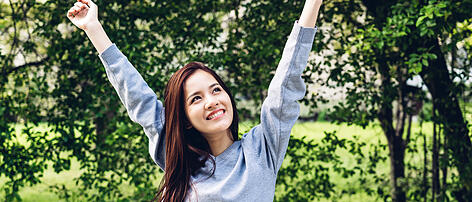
216 90
195 99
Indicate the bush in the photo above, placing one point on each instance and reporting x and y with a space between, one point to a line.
315 170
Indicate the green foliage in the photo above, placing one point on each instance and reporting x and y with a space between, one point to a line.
309 166
368 44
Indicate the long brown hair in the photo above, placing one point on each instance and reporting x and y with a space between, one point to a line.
186 149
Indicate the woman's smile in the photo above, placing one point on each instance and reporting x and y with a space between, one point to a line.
216 114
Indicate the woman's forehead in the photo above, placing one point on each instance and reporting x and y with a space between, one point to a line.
199 80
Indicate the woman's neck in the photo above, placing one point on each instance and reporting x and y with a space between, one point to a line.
219 142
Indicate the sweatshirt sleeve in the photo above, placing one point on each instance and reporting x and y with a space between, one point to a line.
280 109
138 98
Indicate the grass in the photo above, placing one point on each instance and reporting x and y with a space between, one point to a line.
312 130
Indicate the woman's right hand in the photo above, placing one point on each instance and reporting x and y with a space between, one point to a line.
83 14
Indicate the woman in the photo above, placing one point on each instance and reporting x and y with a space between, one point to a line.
194 140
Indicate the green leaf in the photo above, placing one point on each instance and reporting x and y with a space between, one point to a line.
420 20
425 62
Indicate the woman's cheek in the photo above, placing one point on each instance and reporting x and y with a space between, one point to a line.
191 114
197 111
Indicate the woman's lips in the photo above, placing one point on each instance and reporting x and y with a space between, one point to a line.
216 114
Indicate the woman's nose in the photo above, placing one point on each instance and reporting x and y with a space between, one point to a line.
211 102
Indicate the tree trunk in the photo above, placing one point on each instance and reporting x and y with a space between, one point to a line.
102 130
396 144
425 164
435 162
436 77
445 160
397 168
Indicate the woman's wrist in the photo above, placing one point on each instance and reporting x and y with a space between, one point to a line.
310 13
98 36
92 27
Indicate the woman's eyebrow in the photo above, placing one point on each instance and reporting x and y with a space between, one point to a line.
195 93
215 84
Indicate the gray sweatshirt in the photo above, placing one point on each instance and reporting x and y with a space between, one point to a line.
247 170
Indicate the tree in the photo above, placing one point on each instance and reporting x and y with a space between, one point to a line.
379 46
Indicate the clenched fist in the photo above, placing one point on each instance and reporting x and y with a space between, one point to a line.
83 14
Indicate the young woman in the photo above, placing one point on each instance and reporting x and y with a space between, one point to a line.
195 138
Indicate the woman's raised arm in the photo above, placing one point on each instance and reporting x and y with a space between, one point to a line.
84 15
280 109
138 98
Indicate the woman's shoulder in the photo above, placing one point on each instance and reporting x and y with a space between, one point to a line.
253 140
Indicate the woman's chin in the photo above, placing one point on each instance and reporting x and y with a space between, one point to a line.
220 128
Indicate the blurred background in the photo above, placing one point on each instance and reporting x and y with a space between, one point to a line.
386 116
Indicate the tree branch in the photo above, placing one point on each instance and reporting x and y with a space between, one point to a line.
37 63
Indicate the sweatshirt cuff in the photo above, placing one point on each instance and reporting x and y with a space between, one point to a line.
111 55
306 33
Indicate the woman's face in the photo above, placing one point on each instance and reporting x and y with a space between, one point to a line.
207 106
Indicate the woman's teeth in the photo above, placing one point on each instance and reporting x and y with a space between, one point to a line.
215 115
